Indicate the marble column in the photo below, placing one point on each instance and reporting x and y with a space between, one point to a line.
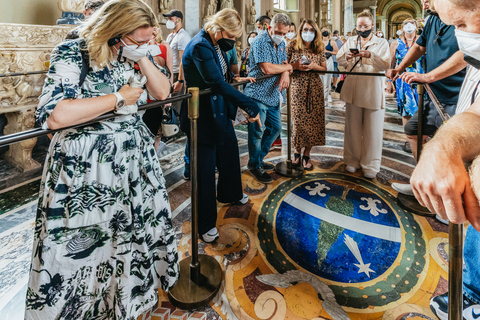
373 9
348 21
337 15
192 11
384 27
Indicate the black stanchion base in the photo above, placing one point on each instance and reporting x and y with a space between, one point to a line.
282 169
411 204
188 295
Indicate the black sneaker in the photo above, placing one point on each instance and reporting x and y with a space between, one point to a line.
261 175
267 166
439 306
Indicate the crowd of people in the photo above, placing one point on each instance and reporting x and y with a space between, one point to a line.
104 240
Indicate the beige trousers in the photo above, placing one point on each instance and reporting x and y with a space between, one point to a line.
363 139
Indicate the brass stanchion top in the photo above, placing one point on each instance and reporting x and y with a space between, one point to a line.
194 103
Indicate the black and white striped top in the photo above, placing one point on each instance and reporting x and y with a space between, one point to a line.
223 63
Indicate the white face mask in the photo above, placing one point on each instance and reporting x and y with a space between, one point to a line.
308 36
260 31
380 35
170 24
409 28
469 43
250 40
335 38
290 35
277 39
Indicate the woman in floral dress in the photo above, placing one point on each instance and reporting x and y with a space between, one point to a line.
104 241
306 53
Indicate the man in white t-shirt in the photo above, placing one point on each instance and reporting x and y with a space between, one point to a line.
178 40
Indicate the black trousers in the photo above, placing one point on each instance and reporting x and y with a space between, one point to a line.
229 188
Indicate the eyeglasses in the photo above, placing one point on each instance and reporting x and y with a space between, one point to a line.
364 27
306 30
142 43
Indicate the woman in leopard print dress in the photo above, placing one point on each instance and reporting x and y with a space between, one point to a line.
306 54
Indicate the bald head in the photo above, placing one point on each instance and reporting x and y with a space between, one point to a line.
463 14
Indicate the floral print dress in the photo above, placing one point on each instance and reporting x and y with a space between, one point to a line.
104 240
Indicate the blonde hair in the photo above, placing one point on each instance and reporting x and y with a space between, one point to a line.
225 20
317 44
366 14
117 18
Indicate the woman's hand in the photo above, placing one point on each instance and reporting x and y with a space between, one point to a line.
239 79
131 95
255 119
349 55
364 54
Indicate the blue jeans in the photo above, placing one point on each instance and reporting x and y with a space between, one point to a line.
471 272
260 139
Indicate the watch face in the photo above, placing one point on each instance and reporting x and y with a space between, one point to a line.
120 103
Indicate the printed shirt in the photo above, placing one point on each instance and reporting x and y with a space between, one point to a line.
263 50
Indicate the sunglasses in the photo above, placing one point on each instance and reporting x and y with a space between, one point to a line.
142 43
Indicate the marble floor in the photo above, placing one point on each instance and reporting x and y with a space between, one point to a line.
327 245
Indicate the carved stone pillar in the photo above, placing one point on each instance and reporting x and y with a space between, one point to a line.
20 154
348 21
373 9
24 48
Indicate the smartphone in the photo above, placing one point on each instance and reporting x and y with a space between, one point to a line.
306 61
354 51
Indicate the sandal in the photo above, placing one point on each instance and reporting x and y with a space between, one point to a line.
297 160
307 160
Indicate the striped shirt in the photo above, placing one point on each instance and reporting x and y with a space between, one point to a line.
223 63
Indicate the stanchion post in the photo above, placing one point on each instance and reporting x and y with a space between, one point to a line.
286 168
200 276
405 201
289 131
421 94
193 113
455 268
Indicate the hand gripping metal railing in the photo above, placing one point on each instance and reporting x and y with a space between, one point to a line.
200 275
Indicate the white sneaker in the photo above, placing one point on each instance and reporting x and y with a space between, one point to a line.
350 169
403 188
329 98
210 236
369 175
242 201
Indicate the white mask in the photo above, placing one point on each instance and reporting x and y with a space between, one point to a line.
260 31
250 40
290 35
308 36
170 24
409 28
277 39
469 43
335 38
380 35
133 52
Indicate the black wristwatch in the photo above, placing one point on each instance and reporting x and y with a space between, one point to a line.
181 81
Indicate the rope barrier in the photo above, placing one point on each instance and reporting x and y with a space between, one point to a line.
16 74
29 134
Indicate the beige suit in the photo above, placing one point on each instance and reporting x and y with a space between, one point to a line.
365 105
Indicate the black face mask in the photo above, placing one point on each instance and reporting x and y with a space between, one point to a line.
226 44
325 33
472 61
364 34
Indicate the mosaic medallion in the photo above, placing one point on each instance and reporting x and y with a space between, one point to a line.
349 233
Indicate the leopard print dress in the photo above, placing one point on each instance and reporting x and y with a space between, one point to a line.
307 101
